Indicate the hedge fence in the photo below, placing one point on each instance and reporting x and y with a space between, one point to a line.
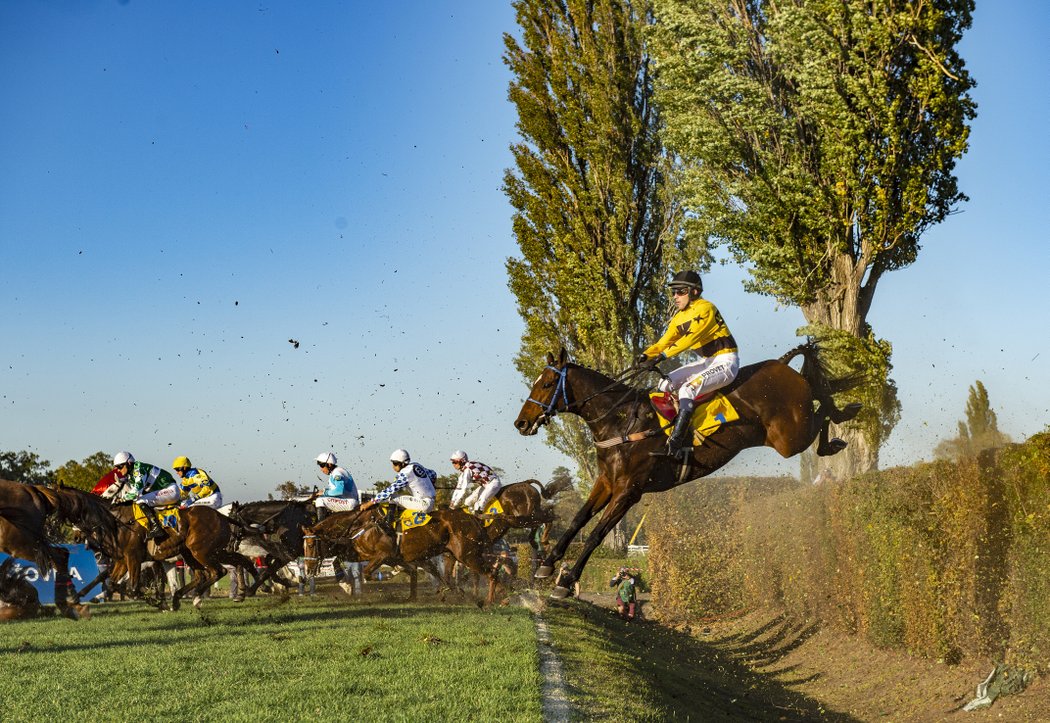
945 560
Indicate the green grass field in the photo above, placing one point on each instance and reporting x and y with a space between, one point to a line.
268 659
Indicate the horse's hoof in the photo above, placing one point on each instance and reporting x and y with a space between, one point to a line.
834 446
848 412
543 572
175 603
347 588
71 613
235 598
560 593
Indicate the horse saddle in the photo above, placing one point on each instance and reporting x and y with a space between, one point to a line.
712 411
167 516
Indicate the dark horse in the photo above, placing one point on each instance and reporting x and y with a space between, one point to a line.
23 512
361 536
281 523
776 408
526 505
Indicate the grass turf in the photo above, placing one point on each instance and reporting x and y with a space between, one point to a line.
641 671
268 659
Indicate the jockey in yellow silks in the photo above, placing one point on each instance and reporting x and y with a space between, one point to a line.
696 326
196 488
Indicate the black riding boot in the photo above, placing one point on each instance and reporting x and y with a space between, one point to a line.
390 518
322 512
683 430
153 527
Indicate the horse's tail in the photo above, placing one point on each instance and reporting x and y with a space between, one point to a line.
815 371
553 488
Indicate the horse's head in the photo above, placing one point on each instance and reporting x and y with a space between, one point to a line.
547 397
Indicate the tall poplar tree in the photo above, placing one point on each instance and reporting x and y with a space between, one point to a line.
593 220
819 139
980 431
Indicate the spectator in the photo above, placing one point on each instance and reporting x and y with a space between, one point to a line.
626 595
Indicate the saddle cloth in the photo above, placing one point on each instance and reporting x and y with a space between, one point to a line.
710 414
167 516
494 508
411 518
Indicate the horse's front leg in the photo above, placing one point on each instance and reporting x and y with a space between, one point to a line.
60 556
599 498
617 509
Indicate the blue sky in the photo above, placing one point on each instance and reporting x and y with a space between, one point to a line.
187 186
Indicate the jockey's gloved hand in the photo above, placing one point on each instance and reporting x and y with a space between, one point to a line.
648 363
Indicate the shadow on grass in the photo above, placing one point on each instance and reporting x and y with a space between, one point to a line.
660 674
219 621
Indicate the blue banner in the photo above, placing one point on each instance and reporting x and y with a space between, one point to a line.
82 570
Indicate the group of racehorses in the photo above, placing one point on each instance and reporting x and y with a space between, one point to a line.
279 531
777 407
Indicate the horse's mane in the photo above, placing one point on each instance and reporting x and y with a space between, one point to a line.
610 385
90 514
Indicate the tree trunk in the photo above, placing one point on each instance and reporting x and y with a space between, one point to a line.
838 307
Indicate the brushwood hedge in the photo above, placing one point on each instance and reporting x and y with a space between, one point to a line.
944 560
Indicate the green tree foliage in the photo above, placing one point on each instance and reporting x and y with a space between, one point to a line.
593 219
288 490
819 139
980 431
86 474
25 467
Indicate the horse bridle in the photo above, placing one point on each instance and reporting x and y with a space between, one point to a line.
550 408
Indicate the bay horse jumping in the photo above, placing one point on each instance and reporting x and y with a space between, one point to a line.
776 408
526 505
24 509
361 536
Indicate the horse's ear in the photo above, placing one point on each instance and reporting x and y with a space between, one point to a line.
563 357
550 359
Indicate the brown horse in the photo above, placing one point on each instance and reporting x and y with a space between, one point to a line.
202 538
361 536
24 509
280 525
776 408
526 505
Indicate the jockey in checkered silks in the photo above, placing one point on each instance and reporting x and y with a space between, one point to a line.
470 474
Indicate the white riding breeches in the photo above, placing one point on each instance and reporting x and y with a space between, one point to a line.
416 504
336 504
479 498
160 498
699 378
213 500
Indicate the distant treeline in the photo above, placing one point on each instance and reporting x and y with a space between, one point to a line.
947 560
